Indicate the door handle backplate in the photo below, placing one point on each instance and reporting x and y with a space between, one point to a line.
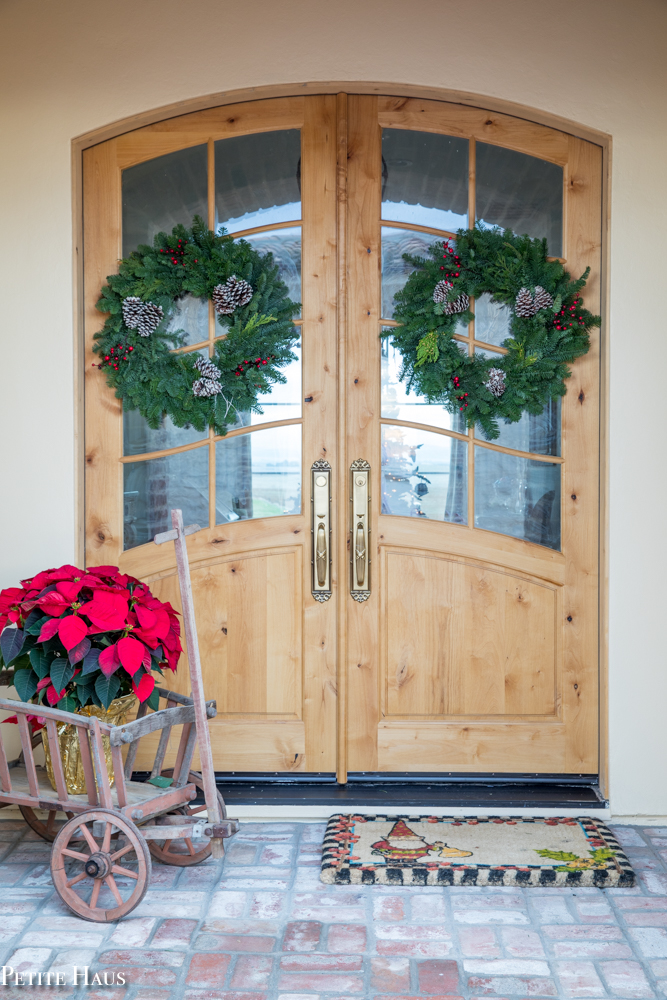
320 502
360 509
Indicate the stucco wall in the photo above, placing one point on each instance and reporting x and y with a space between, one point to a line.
72 66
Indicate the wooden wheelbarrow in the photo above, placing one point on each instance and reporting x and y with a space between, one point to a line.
101 855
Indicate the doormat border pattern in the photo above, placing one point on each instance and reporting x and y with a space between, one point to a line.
338 847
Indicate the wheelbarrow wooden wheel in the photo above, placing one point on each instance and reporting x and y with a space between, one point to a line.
185 852
48 829
99 880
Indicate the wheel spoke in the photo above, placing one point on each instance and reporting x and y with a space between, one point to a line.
197 809
97 885
167 846
75 854
78 878
122 851
106 843
92 843
50 823
119 870
189 843
111 882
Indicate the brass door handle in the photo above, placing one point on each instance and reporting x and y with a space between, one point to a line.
360 554
320 501
360 500
321 555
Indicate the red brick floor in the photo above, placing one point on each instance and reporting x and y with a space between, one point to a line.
261 926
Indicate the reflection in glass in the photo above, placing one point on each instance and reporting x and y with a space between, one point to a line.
521 193
138 437
159 194
284 401
518 497
153 488
425 179
492 320
539 433
258 180
285 245
424 475
189 317
490 353
399 404
395 270
258 474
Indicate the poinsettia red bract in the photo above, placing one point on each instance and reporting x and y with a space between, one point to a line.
76 637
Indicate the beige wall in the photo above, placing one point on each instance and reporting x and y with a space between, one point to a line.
75 65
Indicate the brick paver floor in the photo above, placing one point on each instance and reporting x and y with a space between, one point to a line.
261 926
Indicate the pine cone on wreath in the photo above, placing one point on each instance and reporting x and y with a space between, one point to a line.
234 293
542 299
150 319
495 382
207 368
459 305
206 387
209 383
524 305
441 291
132 310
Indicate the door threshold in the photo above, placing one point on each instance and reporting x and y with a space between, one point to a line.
440 794
320 814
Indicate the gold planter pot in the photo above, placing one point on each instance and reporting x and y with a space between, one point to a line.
70 752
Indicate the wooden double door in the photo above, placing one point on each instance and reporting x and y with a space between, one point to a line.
471 642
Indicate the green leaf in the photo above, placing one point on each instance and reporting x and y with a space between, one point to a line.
62 672
25 682
90 664
153 700
106 688
11 643
41 662
36 626
68 704
33 617
85 686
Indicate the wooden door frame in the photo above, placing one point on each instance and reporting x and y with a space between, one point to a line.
492 105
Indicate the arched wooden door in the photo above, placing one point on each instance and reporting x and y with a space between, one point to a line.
474 646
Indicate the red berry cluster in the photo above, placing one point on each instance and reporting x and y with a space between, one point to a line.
121 352
258 362
177 253
453 261
569 315
457 385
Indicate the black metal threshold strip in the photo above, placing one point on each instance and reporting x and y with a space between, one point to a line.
408 790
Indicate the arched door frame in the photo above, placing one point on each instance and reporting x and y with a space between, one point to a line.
494 107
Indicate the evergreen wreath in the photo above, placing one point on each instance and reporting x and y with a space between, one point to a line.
136 349
548 328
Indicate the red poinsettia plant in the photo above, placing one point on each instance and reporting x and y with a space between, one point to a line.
77 637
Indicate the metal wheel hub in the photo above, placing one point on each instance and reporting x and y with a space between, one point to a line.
98 865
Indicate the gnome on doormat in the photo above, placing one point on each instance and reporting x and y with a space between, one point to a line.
403 844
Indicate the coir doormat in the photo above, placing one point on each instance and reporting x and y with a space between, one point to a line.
479 850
